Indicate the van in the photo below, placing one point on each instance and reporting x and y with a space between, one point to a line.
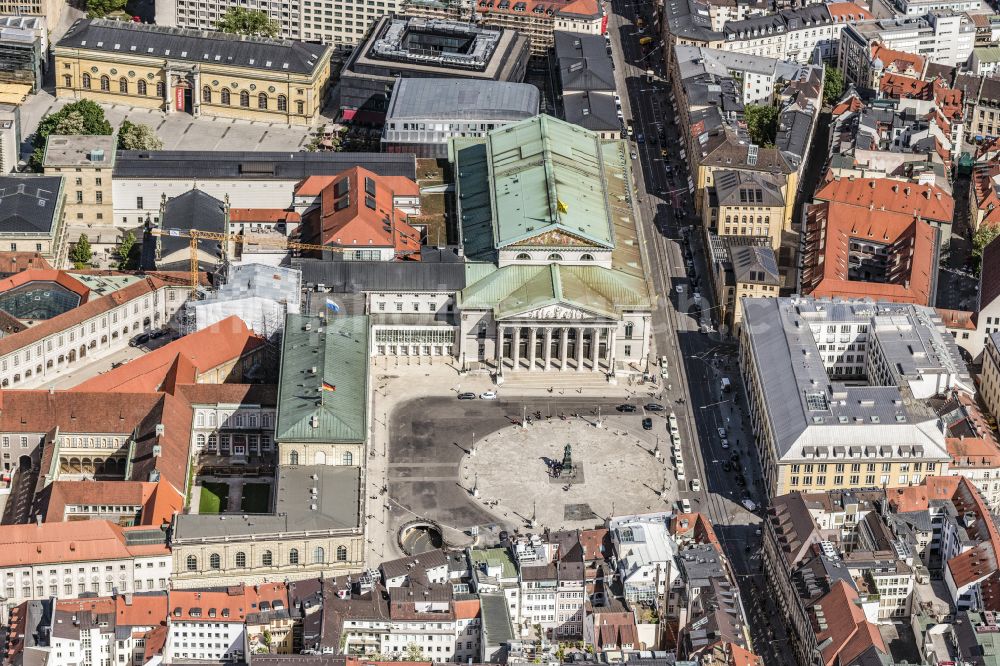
726 385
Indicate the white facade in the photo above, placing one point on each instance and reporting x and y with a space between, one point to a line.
233 430
646 555
68 580
439 639
135 199
923 7
40 361
213 640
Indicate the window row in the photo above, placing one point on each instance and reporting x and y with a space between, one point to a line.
263 102
266 558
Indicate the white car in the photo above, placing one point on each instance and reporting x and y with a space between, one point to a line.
635 155
722 432
680 473
680 289
695 485
749 504
685 505
488 395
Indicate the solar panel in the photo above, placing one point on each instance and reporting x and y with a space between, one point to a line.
370 186
341 187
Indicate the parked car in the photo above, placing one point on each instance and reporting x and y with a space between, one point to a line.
685 505
466 396
625 408
647 423
722 432
748 503
696 485
140 339
654 407
725 443
488 395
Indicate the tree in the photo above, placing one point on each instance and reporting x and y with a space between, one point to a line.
833 84
125 249
136 136
762 123
985 235
250 22
81 253
101 8
413 653
80 117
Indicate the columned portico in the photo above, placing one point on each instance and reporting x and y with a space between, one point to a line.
576 347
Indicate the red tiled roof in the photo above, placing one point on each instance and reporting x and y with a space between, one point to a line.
180 361
466 609
973 452
27 545
64 493
230 605
845 627
900 61
593 543
155 640
263 215
15 262
353 218
832 227
740 656
141 610
850 104
848 11
548 8
960 319
695 526
929 202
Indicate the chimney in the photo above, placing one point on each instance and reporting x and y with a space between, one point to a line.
38 519
159 430
128 598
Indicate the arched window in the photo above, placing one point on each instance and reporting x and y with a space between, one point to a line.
206 95
293 458
347 458
629 328
160 89
213 442
192 563
555 256
211 419
214 561
105 84
523 256
123 85
199 419
225 96
141 87
201 441
266 559
67 80
244 98
293 556
586 257
341 553
282 103
241 559
86 81
319 555
262 101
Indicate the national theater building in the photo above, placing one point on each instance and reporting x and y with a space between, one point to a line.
554 272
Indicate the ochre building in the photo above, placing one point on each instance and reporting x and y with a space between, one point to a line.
193 71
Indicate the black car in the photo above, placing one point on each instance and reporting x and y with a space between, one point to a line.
654 407
625 408
647 423
466 396
139 340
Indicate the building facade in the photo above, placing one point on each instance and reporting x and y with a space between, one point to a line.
189 71
86 163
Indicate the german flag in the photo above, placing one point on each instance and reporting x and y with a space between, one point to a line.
327 386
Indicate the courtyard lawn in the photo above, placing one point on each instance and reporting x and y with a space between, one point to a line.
256 498
214 497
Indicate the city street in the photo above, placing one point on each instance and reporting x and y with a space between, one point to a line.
684 330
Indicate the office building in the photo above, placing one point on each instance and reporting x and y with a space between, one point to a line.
86 162
402 47
424 114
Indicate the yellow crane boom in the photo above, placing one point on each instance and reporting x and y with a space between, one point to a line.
195 235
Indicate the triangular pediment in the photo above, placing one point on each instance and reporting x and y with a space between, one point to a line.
558 311
555 237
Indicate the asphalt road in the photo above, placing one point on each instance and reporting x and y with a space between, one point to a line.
667 228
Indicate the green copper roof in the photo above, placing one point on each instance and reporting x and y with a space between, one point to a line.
337 348
547 175
511 290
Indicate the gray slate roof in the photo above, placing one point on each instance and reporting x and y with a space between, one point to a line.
192 210
593 111
244 165
349 277
337 504
754 264
462 99
199 46
28 204
743 188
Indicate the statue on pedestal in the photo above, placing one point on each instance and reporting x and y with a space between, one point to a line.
567 461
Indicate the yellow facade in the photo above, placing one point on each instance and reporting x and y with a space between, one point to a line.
838 474
989 382
210 88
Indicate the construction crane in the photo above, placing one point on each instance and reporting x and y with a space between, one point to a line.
195 235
